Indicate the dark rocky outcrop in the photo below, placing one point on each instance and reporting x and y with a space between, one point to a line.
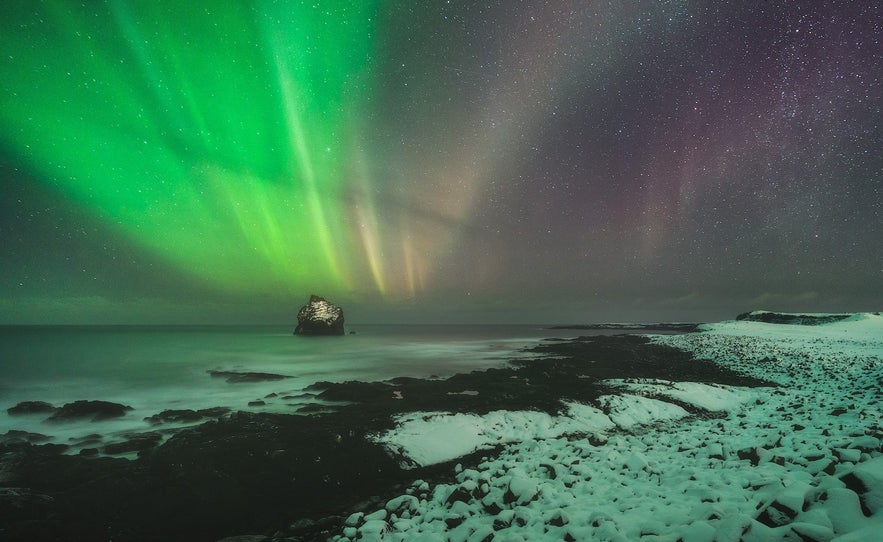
238 377
571 372
96 410
635 328
15 435
319 317
134 443
792 319
30 407
186 415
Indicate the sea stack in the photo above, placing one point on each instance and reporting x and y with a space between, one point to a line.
319 317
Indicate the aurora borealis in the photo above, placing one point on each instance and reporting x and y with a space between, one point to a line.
526 161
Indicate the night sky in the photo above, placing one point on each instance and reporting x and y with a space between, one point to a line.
440 161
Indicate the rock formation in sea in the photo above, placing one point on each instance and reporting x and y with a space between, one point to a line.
319 317
94 410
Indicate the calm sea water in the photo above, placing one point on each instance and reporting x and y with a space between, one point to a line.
157 368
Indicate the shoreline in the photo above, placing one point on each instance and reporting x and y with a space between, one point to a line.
219 455
294 477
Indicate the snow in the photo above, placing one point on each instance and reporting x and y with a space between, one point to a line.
627 411
799 461
707 396
427 438
325 311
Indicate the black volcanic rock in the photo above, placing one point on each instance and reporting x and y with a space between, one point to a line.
96 410
238 377
15 435
319 317
635 328
186 415
134 443
30 407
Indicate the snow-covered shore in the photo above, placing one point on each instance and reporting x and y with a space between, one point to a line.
800 461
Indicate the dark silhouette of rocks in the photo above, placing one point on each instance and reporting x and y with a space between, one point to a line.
635 328
96 410
134 443
238 377
30 407
17 436
319 317
186 415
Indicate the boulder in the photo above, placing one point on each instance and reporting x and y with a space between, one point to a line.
135 443
238 377
30 407
186 415
319 317
95 410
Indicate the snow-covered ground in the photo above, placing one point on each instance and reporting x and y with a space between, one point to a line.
800 461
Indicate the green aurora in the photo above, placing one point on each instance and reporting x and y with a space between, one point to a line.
214 134
439 161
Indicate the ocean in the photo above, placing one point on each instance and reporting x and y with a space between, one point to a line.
155 368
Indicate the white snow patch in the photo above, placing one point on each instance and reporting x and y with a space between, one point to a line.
628 410
708 396
427 438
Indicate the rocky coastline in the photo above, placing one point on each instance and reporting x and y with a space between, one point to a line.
293 477
259 477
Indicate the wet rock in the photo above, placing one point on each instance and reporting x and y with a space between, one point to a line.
186 415
213 412
135 443
637 328
308 529
174 416
313 408
30 407
95 410
15 435
23 502
319 317
353 391
239 377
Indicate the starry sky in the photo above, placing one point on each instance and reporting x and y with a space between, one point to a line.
442 161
